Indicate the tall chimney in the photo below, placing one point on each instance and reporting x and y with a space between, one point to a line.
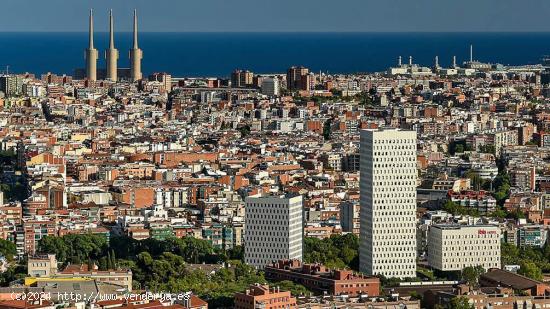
136 54
91 30
91 52
471 53
111 54
454 61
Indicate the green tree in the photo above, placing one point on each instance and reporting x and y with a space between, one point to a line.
113 259
236 253
74 248
20 191
245 130
475 180
456 209
460 302
498 213
451 207
7 157
338 251
501 184
162 265
90 264
510 254
327 129
13 273
243 270
103 264
294 288
109 261
7 249
193 250
515 214
416 295
530 269
471 275
55 245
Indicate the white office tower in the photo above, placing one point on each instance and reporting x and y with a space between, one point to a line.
273 229
388 203
270 86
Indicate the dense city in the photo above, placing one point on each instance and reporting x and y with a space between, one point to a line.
417 187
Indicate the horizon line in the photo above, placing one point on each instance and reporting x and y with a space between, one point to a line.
295 32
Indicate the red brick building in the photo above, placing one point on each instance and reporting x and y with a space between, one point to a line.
319 278
261 296
33 231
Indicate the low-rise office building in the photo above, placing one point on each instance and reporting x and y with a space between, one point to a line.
453 247
261 296
319 278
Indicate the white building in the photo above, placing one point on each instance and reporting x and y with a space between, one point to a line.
453 247
170 197
388 203
273 229
504 138
270 86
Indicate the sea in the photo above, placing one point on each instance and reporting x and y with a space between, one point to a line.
217 54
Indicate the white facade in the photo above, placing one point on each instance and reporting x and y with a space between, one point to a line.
388 203
170 197
504 138
273 229
454 247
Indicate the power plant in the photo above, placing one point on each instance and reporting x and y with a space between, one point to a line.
112 71
135 54
111 54
91 52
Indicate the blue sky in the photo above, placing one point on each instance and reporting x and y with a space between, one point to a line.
281 15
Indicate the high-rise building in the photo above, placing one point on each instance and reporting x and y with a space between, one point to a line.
111 54
270 86
273 229
11 85
298 78
388 203
242 79
91 52
136 54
